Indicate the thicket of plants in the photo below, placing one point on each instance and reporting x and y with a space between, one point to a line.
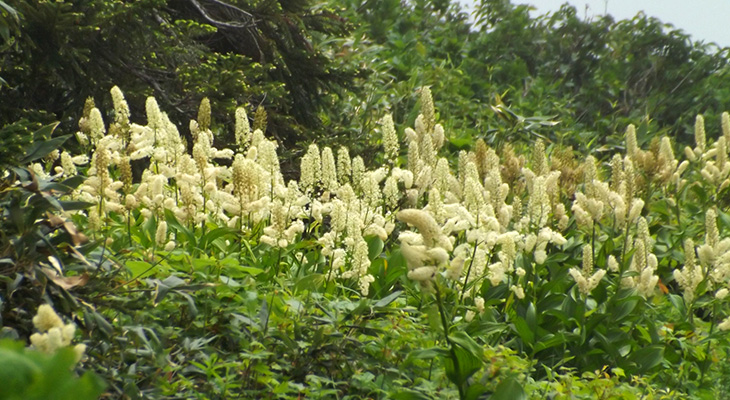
446 242
541 275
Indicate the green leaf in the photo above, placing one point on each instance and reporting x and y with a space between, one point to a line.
172 222
375 247
102 323
228 281
475 391
407 394
467 362
10 10
385 301
249 270
191 303
31 375
43 147
52 201
139 269
70 205
163 287
214 234
311 282
549 340
531 317
426 354
509 389
16 369
678 303
523 330
648 357
74 181
464 340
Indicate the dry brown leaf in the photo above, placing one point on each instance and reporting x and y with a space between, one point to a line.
77 237
66 282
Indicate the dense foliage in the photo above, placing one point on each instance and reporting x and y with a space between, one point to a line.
471 252
260 53
512 76
328 71
503 274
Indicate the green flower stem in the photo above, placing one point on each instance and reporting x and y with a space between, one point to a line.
445 325
468 272
706 362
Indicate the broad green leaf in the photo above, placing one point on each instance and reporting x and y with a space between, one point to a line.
678 303
53 201
16 369
310 283
426 354
475 391
647 357
202 263
531 317
42 148
523 330
468 364
549 340
249 270
229 281
102 323
375 246
140 269
172 222
163 287
464 340
407 394
509 389
385 301
214 234
74 181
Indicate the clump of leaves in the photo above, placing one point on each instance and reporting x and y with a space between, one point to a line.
31 375
37 243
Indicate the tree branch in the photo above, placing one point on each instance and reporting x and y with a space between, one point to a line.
231 6
230 25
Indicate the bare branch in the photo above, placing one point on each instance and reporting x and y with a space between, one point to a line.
231 6
231 25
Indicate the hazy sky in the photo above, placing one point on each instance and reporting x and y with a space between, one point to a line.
706 20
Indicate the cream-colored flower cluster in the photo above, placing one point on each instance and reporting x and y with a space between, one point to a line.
715 164
586 279
489 219
195 188
52 333
198 189
643 263
467 231
352 197
714 262
488 234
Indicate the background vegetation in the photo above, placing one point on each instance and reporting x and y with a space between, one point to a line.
194 271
